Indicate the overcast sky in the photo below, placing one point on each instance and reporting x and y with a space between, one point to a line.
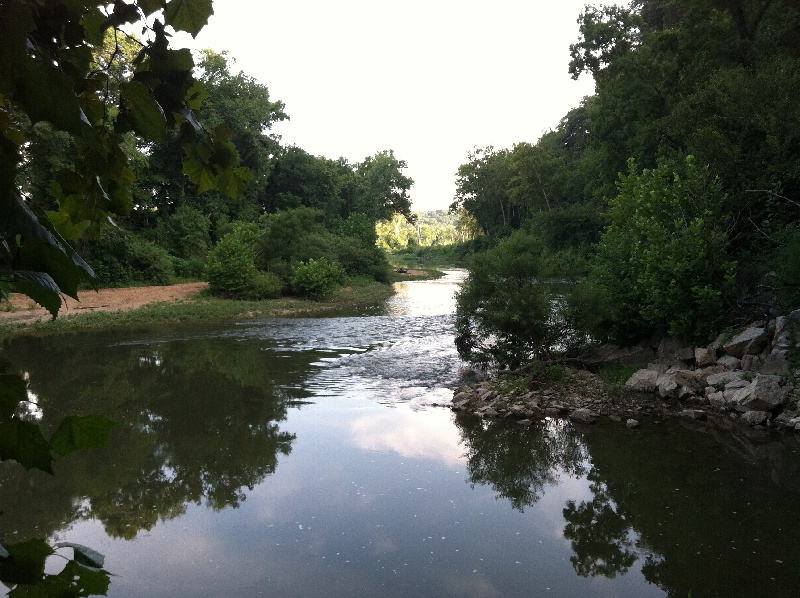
429 79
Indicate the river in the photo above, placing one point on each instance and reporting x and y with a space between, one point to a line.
314 457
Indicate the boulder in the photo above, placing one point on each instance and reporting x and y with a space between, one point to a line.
632 424
763 394
730 362
717 399
668 387
643 381
583 416
755 418
723 378
704 357
751 341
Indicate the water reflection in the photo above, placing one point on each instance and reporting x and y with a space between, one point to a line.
198 424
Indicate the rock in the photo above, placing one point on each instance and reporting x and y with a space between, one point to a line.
704 357
552 412
755 418
752 363
668 387
583 416
643 381
751 341
690 380
730 362
632 424
693 414
763 394
775 364
523 422
723 378
717 399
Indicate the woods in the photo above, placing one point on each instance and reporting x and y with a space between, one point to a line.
667 202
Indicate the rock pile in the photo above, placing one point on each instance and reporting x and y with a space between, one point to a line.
749 375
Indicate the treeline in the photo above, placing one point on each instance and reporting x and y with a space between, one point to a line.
668 202
292 223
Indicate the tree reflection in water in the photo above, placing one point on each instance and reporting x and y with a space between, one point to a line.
599 533
519 463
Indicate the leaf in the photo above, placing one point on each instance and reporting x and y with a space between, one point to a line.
84 581
188 15
26 562
150 6
24 443
148 117
81 432
200 174
40 287
47 94
83 554
13 390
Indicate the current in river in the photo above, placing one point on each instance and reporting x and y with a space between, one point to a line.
318 458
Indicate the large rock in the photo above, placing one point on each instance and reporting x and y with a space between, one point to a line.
755 418
751 341
643 381
668 387
763 394
723 378
583 416
704 357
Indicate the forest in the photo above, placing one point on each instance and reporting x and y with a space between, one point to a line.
665 203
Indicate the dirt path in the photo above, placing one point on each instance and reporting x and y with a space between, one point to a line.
24 309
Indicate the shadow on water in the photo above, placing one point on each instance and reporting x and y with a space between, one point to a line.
680 502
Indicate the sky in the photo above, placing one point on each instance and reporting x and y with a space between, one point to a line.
429 79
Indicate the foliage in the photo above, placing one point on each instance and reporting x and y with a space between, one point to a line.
50 73
230 266
663 261
121 258
507 310
316 279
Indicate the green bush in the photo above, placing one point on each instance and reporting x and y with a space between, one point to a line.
265 285
120 258
316 278
508 310
663 261
230 265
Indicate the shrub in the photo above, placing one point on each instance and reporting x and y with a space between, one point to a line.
265 285
663 261
121 258
316 278
230 266
507 311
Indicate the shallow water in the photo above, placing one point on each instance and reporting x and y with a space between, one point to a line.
307 457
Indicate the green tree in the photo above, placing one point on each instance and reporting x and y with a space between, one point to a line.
663 262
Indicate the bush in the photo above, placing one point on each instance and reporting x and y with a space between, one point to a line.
120 258
663 261
507 311
230 266
316 278
265 285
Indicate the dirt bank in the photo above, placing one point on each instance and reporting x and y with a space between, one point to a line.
24 309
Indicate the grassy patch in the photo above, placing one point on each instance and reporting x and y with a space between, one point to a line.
429 274
357 295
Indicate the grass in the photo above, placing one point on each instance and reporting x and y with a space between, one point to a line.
358 295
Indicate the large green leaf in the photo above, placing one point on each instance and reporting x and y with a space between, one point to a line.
26 562
84 555
24 443
40 287
47 94
188 15
82 581
13 390
200 174
148 117
81 432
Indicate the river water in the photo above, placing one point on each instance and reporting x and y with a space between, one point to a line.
312 457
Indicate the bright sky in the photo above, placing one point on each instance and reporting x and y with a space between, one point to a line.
429 79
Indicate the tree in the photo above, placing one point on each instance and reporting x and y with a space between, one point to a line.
383 188
48 73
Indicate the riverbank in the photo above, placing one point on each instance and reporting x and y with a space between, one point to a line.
747 377
187 302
